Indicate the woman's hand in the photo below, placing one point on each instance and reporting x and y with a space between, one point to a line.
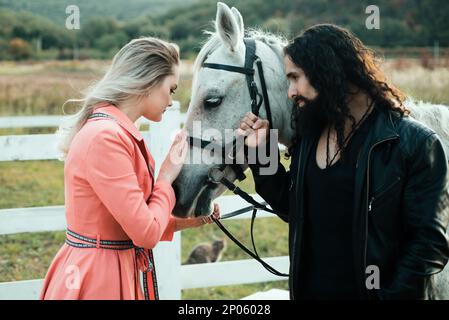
255 130
185 223
175 159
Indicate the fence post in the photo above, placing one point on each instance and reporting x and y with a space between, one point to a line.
167 254
159 138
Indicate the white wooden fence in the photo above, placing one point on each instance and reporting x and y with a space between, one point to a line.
172 274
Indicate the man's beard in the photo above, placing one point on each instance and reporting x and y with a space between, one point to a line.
309 117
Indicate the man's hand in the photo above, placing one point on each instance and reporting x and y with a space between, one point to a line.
255 130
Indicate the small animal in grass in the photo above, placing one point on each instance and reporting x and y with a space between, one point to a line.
207 252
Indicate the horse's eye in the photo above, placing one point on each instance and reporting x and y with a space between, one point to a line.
212 102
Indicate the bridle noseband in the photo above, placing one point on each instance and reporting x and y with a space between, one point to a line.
216 174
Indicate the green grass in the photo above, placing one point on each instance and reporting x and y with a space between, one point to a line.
31 184
28 255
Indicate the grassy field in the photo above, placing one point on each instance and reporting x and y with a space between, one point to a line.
417 81
41 88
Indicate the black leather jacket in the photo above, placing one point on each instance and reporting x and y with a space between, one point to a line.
401 207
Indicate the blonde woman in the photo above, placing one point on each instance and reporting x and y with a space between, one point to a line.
116 212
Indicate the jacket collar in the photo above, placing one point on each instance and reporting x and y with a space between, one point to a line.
122 119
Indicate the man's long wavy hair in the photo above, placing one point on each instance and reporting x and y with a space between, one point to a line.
332 58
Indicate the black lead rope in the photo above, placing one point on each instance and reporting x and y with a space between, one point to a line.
254 254
218 176
264 93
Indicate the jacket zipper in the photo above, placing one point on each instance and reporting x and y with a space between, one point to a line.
373 199
293 264
367 203
296 229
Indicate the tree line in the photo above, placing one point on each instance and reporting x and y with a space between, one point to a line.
403 23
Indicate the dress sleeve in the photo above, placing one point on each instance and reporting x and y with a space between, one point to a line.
111 174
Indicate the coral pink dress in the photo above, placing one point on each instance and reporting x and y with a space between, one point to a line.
107 182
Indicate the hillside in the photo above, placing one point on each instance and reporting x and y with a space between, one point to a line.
36 29
402 22
118 9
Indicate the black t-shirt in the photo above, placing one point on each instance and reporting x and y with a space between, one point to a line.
328 258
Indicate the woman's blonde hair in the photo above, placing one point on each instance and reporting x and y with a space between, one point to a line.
139 66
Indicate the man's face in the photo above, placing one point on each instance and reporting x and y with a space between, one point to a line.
299 88
310 107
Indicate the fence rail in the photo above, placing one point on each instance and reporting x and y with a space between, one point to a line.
172 274
30 122
48 121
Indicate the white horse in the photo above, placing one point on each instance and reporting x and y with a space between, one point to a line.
220 99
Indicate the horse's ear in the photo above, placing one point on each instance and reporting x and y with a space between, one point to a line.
239 20
227 27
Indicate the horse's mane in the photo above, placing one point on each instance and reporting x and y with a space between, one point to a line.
276 42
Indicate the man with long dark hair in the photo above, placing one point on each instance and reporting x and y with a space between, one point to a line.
366 197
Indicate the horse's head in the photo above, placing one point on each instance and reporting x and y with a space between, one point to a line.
219 101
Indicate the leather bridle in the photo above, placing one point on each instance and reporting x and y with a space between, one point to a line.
216 174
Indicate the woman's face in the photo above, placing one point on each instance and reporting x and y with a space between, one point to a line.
160 97
299 86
